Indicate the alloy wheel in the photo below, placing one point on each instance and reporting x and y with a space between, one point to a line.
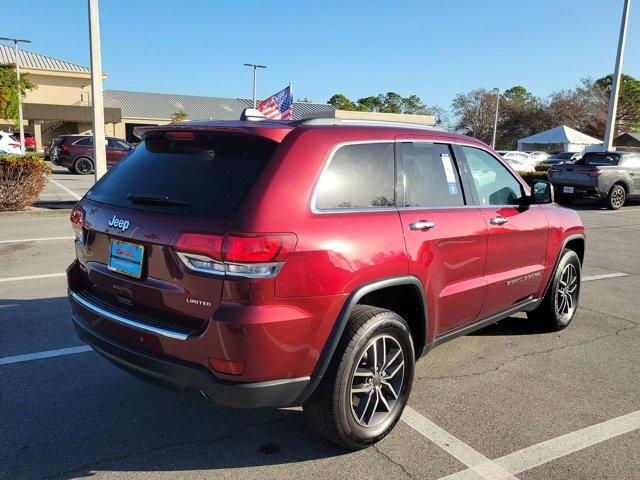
84 166
377 381
617 196
567 292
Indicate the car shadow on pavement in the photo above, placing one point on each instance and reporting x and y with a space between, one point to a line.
78 414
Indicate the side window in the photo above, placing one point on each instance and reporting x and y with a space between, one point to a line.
358 176
122 145
430 176
84 141
632 161
494 184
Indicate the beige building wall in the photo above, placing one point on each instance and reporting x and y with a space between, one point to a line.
59 88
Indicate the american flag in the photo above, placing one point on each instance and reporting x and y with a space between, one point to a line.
278 106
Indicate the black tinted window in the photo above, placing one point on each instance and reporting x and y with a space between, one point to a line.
494 184
212 174
84 141
600 159
358 176
430 176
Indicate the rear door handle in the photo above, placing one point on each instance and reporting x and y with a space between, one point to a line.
421 225
498 221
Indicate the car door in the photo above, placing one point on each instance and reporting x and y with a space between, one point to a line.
517 232
445 234
632 165
116 150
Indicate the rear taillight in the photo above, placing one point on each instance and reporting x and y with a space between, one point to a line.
77 222
254 256
594 173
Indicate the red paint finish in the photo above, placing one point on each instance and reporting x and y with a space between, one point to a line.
449 260
257 329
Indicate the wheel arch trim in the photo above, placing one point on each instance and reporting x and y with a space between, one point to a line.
343 317
578 236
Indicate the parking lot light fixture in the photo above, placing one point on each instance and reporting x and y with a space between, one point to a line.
255 68
16 41
97 100
615 81
495 120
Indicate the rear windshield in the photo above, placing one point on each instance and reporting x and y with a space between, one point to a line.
599 159
209 175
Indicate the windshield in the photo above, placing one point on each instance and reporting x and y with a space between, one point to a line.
207 175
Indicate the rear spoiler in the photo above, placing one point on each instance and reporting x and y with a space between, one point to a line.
275 131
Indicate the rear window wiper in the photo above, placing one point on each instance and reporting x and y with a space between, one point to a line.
150 199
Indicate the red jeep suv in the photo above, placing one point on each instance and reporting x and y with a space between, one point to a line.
273 264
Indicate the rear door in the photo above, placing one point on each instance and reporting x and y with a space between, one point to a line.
136 212
445 234
517 234
631 164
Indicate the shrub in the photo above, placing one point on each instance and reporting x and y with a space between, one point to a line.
22 178
531 176
542 168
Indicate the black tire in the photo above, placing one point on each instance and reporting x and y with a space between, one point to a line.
616 197
83 166
331 409
550 312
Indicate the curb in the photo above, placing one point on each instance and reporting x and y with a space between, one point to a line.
38 212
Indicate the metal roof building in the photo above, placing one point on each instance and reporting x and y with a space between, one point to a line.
36 61
160 106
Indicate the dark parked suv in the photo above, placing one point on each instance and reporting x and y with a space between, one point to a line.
273 264
75 152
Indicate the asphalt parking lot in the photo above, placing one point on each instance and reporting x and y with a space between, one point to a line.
505 402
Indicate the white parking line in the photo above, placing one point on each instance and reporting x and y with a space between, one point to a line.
70 192
478 463
545 452
31 277
41 239
591 278
46 354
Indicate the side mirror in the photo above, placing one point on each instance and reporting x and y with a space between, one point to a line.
542 192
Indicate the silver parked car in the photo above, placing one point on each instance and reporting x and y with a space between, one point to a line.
612 177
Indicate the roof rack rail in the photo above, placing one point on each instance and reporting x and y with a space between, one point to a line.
365 123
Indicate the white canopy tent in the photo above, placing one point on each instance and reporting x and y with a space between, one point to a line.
559 139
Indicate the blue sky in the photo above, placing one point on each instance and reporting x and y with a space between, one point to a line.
360 48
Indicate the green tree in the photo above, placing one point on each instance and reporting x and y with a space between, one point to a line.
628 113
179 117
9 89
341 102
370 104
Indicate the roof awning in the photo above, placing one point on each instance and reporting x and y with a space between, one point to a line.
68 113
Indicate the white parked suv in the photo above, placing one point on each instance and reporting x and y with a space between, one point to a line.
9 144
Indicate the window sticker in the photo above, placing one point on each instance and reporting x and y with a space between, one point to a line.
451 176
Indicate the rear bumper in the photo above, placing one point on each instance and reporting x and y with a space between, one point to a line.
184 376
579 191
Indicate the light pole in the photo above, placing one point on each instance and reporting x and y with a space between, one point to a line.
15 49
97 101
615 81
495 120
255 68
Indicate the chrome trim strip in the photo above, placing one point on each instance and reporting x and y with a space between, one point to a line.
126 321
